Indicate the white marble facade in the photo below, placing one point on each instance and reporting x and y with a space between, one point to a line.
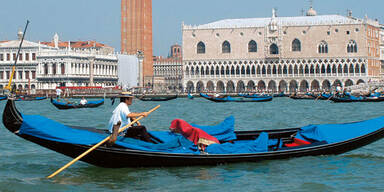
280 53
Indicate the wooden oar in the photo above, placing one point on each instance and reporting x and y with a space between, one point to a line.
318 98
97 145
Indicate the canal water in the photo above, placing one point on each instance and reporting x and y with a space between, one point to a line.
23 165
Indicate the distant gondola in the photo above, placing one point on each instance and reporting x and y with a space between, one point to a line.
356 99
307 97
254 95
156 98
90 104
231 99
29 98
174 150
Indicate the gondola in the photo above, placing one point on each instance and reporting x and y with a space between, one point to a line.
254 95
304 97
90 104
30 98
352 99
231 99
242 146
282 94
156 98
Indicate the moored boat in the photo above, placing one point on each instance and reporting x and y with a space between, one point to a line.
223 99
172 150
156 98
69 105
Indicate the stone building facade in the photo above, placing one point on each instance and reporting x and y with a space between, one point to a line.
289 54
168 72
50 64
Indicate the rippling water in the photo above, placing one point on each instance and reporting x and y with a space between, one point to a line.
23 165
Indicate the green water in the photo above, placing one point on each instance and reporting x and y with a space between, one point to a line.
23 165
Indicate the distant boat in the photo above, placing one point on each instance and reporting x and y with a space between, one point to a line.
3 97
66 105
254 95
231 99
156 98
29 98
350 99
190 96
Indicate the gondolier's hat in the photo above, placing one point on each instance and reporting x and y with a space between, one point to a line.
125 95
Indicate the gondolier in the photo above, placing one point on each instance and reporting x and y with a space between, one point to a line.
122 116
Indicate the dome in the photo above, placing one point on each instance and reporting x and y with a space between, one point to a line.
311 12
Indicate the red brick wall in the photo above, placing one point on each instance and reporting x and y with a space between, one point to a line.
136 31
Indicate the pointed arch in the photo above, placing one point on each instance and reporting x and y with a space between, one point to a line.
252 46
272 86
261 85
323 47
296 45
282 86
292 86
304 86
273 49
240 87
210 86
200 87
200 48
220 87
326 85
230 87
348 82
315 85
352 47
226 47
251 85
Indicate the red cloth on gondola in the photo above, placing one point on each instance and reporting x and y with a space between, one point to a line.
191 133
297 142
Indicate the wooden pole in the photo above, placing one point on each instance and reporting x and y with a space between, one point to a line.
97 145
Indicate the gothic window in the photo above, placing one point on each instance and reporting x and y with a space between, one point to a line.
248 70
296 45
253 70
232 70
274 71
263 70
252 46
273 49
200 48
290 71
323 47
352 47
242 70
226 47
217 70
227 70
237 70
222 70
187 71
295 70
362 68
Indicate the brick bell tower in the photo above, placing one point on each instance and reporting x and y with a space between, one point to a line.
136 34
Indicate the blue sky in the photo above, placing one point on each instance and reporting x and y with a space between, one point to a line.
100 19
